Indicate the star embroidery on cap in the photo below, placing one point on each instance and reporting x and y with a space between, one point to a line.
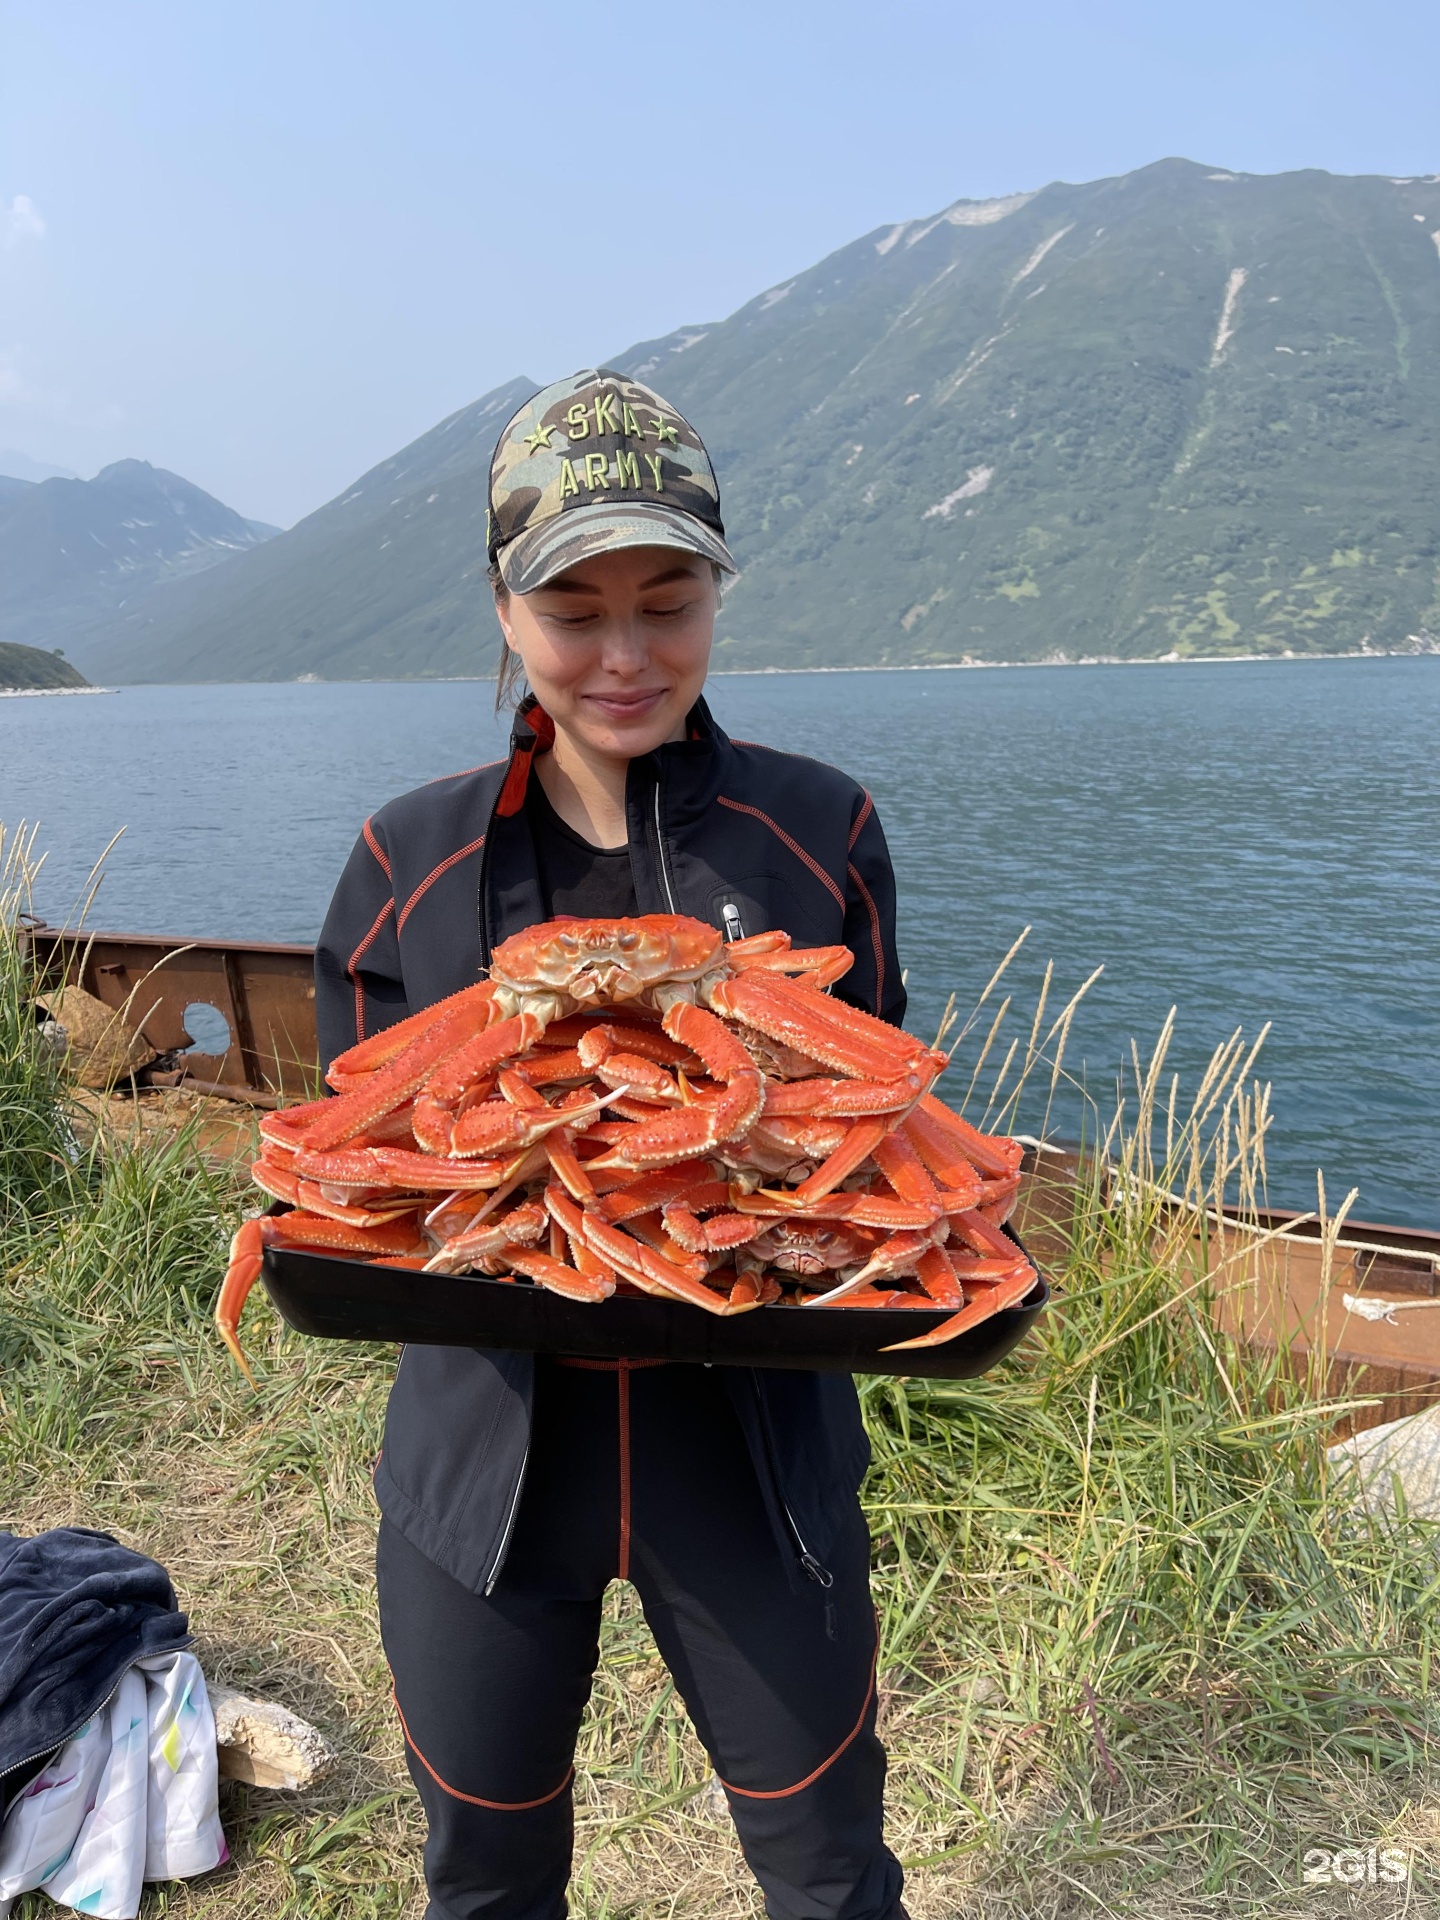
539 438
663 431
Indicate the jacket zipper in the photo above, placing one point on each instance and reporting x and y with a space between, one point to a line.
807 1559
660 852
497 1564
42 1753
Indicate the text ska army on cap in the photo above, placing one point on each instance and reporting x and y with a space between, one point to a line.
612 415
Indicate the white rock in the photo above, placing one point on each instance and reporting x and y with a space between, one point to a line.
264 1743
1405 1451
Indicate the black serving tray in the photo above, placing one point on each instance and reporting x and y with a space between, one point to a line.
336 1298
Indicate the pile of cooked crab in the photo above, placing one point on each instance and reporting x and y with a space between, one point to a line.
638 1105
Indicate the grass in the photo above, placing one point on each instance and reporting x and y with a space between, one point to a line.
1137 1659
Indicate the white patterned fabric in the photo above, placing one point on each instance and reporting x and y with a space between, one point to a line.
132 1797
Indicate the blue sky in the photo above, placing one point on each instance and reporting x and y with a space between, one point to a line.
265 245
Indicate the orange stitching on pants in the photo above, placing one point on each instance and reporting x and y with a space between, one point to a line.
783 1793
472 1799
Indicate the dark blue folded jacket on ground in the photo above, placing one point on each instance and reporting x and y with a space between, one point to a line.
76 1609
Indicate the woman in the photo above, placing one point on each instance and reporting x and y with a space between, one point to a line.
513 1487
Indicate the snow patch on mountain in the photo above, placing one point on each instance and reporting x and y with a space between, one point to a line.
976 481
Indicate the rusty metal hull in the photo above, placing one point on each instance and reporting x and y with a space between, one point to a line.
1279 1288
265 993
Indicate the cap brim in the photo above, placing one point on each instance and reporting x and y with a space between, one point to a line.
531 559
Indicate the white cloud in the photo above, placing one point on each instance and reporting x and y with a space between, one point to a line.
20 220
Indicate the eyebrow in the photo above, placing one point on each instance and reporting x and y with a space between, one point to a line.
657 580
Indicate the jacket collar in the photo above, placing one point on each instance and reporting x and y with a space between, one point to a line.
691 770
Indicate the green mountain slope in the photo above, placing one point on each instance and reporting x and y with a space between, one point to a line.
30 668
1182 411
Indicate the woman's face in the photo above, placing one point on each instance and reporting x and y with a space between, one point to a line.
616 650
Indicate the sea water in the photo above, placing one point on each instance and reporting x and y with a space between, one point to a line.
1245 842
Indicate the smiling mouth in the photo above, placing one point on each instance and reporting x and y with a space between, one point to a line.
629 703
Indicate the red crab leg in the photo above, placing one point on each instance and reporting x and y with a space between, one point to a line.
857 1209
312 1197
899 1254
941 1155
351 1114
275 1179
500 1127
687 1182
556 1277
863 1138
1008 1294
381 1048
751 1290
697 1129
552 1067
718 1234
903 1168
435 1173
821 966
983 1235
627 1072
646 1268
937 1276
285 1128
839 1036
994 1155
872 1297
775 941
567 1216
840 1099
247 1253
522 1226
646 1043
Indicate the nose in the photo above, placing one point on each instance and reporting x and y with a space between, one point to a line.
625 651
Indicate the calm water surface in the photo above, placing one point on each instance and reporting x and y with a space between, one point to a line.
1249 843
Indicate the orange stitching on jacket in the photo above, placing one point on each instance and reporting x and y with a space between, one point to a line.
473 1799
739 806
860 819
783 1793
376 848
354 961
430 879
875 940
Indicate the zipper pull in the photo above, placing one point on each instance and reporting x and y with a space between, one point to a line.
822 1575
734 925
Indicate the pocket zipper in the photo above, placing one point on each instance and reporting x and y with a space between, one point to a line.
814 1570
498 1563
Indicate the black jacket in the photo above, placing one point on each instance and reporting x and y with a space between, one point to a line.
437 879
76 1609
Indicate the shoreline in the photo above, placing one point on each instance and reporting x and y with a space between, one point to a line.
41 693
742 673
1088 660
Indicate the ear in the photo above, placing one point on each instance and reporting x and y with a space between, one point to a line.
502 614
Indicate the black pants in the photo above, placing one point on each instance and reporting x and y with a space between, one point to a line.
641 1472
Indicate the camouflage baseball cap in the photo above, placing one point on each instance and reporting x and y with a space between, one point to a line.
594 463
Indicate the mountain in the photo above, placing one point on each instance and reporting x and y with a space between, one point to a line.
72 552
1183 411
386 581
15 465
30 667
